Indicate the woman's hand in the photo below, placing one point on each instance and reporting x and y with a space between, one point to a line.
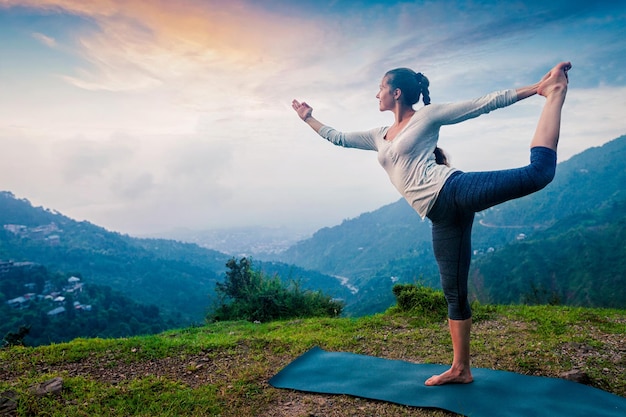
306 113
304 110
541 87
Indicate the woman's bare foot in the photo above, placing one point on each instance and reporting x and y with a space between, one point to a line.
555 81
451 376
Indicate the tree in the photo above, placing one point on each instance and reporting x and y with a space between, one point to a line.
246 294
241 281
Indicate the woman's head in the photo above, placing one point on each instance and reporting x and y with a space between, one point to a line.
411 84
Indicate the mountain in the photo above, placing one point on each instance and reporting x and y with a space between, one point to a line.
358 246
177 277
587 181
392 244
55 308
580 260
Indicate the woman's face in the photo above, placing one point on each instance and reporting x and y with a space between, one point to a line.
385 96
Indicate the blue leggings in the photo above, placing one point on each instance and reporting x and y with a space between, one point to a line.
452 217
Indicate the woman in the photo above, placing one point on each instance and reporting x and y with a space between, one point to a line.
449 197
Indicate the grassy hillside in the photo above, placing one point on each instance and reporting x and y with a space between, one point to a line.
223 369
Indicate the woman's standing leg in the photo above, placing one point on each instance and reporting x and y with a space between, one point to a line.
452 246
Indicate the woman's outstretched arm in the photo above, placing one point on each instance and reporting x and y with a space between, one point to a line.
359 140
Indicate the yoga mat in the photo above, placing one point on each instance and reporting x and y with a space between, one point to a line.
493 393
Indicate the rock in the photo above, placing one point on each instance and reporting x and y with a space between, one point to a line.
51 386
8 403
576 375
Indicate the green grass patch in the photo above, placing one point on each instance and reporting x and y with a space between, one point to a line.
222 369
139 397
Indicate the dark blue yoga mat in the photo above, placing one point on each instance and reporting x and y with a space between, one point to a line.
493 393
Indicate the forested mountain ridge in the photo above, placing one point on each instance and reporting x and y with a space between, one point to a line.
177 277
360 245
393 244
580 260
45 307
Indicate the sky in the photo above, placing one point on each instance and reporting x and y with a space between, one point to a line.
145 116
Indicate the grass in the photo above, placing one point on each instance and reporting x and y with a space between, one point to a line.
150 396
222 369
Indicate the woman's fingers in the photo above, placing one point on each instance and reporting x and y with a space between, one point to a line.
303 109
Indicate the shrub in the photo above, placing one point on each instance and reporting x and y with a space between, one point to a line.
15 339
418 299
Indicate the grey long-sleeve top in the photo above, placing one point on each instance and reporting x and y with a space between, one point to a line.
408 158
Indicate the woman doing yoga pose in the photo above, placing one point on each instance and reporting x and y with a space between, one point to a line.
408 151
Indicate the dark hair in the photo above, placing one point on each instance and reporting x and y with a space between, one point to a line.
440 157
412 84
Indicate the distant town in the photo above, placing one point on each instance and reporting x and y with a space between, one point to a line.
48 232
57 298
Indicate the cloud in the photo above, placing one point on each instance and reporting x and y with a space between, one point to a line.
136 44
132 188
46 40
81 158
